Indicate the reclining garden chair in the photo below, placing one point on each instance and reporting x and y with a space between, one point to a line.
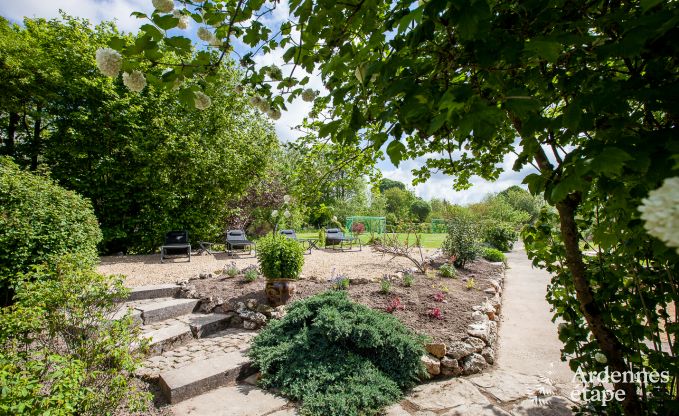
335 237
307 243
176 242
236 240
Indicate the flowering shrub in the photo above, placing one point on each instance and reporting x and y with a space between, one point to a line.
339 281
435 313
395 305
660 211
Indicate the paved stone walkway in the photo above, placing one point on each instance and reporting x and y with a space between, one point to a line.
528 379
226 341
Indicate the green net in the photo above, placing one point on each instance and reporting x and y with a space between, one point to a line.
438 225
370 224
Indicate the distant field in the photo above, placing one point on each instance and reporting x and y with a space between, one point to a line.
427 240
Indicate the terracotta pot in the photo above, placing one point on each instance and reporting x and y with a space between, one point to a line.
279 291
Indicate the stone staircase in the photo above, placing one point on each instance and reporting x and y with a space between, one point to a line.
190 353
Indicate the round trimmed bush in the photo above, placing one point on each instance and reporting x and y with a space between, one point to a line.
280 257
338 357
39 222
493 254
500 235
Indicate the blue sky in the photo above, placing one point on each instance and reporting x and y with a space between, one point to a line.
439 186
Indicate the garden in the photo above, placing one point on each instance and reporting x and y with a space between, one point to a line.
153 216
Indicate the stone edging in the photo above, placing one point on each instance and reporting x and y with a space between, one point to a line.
476 351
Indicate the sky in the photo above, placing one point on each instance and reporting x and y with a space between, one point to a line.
439 186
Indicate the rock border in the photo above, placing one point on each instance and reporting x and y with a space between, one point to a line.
476 351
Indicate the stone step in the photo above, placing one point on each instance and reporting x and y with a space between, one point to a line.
241 400
165 308
122 311
169 334
202 376
153 292
168 337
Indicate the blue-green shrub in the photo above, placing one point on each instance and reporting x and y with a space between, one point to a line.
338 357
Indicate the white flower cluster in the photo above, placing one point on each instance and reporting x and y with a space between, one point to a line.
134 81
274 114
274 213
660 211
201 101
286 199
209 37
275 73
165 6
287 214
109 61
183 19
309 95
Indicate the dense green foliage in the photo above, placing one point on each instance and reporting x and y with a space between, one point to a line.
39 222
447 270
420 209
588 88
338 357
492 254
500 235
59 352
280 257
147 164
462 241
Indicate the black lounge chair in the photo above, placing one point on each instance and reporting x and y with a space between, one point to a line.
334 237
307 243
236 240
176 242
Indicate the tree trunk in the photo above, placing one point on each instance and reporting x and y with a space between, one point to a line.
605 337
36 144
8 148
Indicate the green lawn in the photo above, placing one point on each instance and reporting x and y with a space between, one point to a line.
427 240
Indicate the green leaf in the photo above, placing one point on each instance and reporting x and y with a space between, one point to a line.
165 22
610 161
152 31
649 4
117 43
396 151
179 42
535 183
544 49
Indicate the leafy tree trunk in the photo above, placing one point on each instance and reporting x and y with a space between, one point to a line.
605 337
11 133
36 144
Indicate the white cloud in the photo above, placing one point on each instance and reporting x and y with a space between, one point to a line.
94 10
441 186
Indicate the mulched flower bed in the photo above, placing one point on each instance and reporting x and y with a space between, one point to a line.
417 301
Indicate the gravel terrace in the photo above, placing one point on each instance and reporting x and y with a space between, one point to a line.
319 265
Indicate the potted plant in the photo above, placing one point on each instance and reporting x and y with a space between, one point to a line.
281 260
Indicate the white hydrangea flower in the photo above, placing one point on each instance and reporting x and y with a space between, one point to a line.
206 35
134 81
109 61
308 95
660 211
334 218
201 101
286 199
600 358
275 73
264 106
286 214
183 20
165 6
274 114
274 213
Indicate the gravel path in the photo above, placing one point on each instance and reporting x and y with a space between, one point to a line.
147 269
